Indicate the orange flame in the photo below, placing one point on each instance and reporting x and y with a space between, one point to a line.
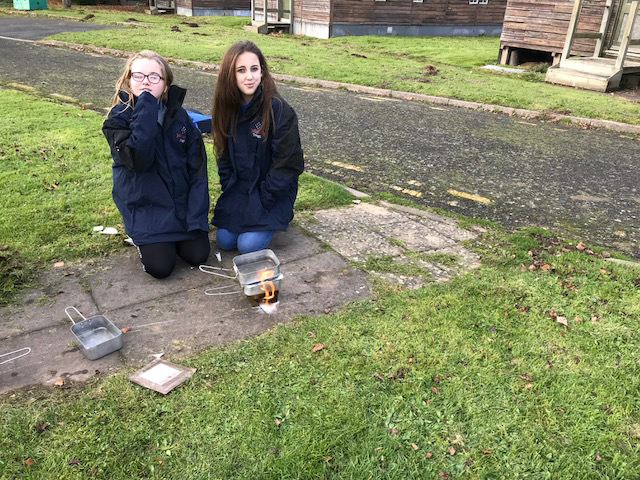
267 286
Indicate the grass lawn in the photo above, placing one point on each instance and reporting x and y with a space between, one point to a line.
477 378
55 169
442 66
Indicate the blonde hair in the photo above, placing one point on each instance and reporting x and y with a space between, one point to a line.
122 84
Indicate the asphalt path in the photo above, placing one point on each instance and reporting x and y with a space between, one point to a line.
585 182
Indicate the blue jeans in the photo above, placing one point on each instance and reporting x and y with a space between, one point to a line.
245 242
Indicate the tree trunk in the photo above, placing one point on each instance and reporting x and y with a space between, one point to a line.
66 3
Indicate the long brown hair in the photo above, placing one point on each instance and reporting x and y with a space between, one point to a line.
123 82
227 97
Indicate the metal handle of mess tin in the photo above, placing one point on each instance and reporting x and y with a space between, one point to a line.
224 290
209 269
66 310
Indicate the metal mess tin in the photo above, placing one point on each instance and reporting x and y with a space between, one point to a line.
249 269
95 336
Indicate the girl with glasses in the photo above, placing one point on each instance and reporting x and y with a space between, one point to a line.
159 167
258 152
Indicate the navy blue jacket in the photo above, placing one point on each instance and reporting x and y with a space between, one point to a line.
160 180
259 177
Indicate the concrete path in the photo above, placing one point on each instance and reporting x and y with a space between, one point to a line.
175 317
529 172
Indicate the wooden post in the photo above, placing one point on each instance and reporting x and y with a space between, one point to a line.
266 19
573 26
597 52
626 35
291 17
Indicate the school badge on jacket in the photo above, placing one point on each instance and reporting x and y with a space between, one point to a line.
182 135
255 130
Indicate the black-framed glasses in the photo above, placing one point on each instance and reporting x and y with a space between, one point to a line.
139 77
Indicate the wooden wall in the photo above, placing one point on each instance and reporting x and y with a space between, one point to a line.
314 11
216 4
543 24
407 12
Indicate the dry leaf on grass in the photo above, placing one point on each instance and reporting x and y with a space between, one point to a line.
414 446
125 329
317 347
562 321
29 462
451 450
58 264
59 382
428 455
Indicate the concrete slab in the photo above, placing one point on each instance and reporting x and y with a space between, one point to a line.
52 356
171 316
43 308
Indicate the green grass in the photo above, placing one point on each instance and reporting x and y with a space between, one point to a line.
55 169
478 365
397 63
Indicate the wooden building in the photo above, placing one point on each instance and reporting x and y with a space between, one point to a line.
333 18
213 7
590 43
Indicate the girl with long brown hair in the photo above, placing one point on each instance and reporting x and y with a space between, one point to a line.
257 143
160 180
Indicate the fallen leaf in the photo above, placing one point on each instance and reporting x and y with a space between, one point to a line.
74 461
29 462
451 450
428 402
58 264
560 410
563 321
435 390
546 266
577 320
428 455
41 427
277 422
598 458
59 382
378 376
528 386
317 347
526 377
125 329
414 446
208 385
410 360
580 247
328 459
603 271
443 475
393 431
486 452
436 379
595 318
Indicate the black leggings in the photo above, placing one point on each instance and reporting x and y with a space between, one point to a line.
159 259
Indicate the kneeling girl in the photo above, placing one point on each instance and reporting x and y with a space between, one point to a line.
258 152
